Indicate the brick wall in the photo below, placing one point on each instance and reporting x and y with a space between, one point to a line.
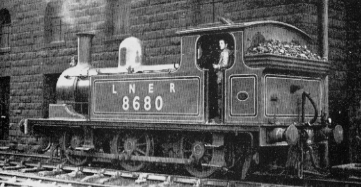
155 23
352 53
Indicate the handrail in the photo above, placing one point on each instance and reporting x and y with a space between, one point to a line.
304 95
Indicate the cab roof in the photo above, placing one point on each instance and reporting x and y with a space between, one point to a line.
230 26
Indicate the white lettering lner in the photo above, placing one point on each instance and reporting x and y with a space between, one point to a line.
131 88
150 88
113 90
171 88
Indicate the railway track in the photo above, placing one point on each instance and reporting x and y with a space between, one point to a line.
29 173
30 170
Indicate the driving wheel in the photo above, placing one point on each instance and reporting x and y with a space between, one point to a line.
70 142
132 144
194 148
45 143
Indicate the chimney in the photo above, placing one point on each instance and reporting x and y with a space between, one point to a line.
84 48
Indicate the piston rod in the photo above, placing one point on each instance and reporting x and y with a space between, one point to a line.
125 157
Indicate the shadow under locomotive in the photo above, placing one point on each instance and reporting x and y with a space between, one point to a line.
263 107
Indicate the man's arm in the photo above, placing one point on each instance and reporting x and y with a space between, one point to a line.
223 61
225 58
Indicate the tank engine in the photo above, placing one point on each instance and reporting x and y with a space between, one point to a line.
183 113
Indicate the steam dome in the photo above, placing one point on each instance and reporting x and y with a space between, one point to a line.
130 53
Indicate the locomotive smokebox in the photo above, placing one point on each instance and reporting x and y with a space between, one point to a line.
73 84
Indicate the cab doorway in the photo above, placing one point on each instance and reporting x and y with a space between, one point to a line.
214 57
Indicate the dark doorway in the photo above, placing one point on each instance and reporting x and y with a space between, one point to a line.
49 92
4 107
208 55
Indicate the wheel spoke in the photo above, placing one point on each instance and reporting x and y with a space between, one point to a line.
135 163
188 142
207 154
142 137
205 160
141 144
140 151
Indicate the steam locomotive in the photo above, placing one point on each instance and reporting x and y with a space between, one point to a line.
136 114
